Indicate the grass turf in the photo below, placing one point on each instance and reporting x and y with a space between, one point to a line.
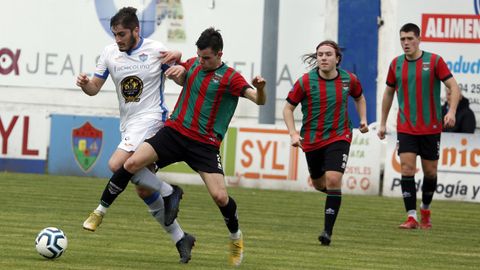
280 230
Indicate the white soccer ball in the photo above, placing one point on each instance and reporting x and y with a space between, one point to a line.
51 242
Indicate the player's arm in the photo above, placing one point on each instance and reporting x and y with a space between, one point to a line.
449 119
295 138
91 86
361 106
176 73
386 105
171 57
257 95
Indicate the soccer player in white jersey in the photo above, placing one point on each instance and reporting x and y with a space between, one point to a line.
136 66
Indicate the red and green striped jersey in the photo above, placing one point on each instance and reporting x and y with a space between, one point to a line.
417 84
207 102
324 107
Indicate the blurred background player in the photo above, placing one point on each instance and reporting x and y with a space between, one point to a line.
142 114
465 121
326 131
198 124
415 76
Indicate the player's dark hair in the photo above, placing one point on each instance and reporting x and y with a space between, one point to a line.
210 38
411 27
126 17
311 58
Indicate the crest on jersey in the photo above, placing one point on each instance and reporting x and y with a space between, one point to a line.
216 78
426 66
345 85
131 88
87 144
143 57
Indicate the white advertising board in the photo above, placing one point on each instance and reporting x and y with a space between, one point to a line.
458 168
24 135
362 175
265 159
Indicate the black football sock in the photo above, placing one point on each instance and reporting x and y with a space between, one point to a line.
332 206
409 192
229 213
428 189
118 182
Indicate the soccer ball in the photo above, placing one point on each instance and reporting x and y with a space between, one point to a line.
51 242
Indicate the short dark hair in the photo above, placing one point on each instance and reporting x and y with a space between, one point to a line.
311 58
210 38
411 27
126 17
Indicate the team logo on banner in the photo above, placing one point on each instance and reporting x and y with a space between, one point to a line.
87 143
9 61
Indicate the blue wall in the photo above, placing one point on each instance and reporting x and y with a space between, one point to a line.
358 37
22 165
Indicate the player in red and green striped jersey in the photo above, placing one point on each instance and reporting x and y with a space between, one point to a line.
326 130
416 76
198 124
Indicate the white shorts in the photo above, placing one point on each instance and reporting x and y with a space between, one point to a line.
136 132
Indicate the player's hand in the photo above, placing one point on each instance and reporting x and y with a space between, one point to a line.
170 57
363 127
259 82
382 130
175 72
449 119
82 80
296 140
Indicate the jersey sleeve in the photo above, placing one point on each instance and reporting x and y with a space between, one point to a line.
238 85
101 70
355 86
391 79
441 71
296 94
189 63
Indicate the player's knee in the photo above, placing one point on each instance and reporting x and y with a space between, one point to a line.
432 173
143 192
407 169
132 165
220 198
319 184
113 166
334 182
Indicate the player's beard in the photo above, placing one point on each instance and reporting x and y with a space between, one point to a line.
131 43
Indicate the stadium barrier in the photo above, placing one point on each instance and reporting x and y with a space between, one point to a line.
259 157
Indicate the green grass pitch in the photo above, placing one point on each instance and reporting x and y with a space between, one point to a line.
280 230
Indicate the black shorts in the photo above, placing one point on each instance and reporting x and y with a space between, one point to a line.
332 157
426 146
171 146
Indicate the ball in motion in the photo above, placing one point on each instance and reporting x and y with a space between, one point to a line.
51 242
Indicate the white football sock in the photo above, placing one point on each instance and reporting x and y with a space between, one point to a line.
102 209
235 236
156 208
412 213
